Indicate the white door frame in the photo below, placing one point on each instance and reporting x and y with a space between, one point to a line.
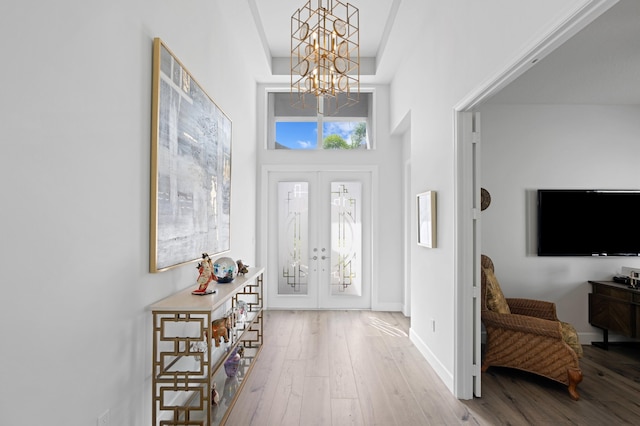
408 202
263 224
464 263
466 374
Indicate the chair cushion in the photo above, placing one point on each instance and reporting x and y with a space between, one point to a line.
496 301
570 336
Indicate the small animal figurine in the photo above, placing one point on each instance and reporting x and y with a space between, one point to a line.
242 268
219 330
206 275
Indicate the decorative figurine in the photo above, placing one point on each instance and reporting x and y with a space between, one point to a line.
220 328
224 270
241 311
233 362
200 346
634 279
215 396
232 314
242 268
206 276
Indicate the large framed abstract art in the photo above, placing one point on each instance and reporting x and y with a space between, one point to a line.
190 167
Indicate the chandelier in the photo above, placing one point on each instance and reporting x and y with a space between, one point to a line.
325 55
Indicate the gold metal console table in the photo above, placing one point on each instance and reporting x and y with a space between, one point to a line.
188 364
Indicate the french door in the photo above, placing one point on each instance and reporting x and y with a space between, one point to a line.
319 239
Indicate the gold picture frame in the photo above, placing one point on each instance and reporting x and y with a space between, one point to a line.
426 214
190 167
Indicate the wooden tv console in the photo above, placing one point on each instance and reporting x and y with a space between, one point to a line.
614 307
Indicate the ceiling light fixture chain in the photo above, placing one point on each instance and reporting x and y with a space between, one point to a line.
325 55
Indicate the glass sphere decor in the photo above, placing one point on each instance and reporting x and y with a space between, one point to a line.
225 270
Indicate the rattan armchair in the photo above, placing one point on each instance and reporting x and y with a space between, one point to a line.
528 336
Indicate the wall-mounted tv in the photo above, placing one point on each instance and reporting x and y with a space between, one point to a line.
588 222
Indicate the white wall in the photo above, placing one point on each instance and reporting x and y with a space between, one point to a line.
528 147
74 223
75 121
459 45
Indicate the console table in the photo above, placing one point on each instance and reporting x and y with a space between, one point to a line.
188 364
614 307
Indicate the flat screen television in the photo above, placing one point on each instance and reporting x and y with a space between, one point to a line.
588 222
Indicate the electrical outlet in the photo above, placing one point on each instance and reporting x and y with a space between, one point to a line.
103 419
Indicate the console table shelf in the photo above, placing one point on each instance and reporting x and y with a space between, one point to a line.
614 307
188 363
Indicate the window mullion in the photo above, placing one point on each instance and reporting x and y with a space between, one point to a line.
320 131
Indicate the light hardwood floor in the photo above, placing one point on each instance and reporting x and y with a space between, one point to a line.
360 368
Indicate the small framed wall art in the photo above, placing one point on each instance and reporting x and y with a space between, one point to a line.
426 203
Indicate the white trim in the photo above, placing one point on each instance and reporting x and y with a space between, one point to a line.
442 372
406 226
375 186
476 320
388 26
552 37
388 307
255 14
576 18
263 225
464 259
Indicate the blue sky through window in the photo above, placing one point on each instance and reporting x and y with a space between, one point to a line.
297 135
304 135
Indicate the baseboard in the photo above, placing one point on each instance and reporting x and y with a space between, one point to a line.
587 337
388 307
442 372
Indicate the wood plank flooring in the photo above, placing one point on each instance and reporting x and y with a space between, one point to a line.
360 368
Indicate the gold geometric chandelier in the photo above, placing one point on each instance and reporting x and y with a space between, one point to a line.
325 55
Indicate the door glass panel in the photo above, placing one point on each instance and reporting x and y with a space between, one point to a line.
346 238
293 236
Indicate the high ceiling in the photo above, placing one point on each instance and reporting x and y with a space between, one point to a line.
275 19
273 22
599 65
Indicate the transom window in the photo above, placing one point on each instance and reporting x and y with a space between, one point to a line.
294 128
